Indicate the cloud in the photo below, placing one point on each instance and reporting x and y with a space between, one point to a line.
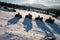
44 2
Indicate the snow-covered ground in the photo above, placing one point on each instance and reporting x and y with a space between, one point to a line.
12 28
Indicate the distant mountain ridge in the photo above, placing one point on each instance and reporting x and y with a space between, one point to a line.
55 7
37 5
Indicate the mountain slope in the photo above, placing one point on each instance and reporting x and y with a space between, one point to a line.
12 28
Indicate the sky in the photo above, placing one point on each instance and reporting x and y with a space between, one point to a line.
33 1
43 2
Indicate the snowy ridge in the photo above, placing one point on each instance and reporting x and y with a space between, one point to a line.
12 28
